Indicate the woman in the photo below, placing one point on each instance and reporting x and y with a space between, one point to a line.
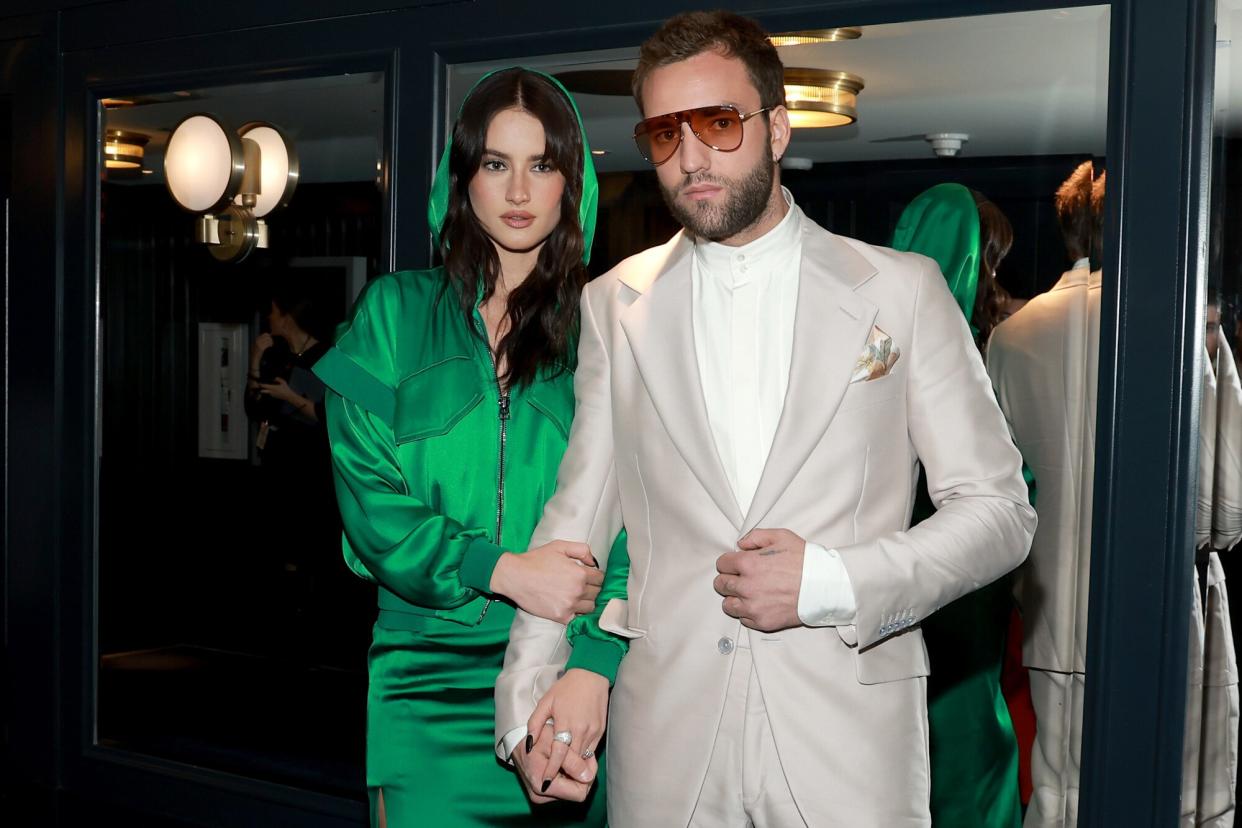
297 517
450 406
974 754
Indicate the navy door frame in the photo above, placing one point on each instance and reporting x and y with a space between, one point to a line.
1159 132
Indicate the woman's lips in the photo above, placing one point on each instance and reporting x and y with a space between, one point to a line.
517 220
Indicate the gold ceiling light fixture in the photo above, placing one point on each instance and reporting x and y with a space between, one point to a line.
804 37
123 149
232 179
819 98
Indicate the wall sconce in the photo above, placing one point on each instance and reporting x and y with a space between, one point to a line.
123 151
821 97
233 179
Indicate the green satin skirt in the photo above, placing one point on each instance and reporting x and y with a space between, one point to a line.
430 743
974 754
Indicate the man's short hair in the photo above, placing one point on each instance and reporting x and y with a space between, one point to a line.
693 33
1074 214
1097 219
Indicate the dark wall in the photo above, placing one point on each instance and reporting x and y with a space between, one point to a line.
182 538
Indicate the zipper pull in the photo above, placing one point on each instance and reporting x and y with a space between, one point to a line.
504 406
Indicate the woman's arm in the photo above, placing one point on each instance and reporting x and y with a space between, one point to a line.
427 558
596 649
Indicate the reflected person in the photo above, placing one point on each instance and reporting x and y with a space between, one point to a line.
974 753
755 396
295 512
1044 363
451 403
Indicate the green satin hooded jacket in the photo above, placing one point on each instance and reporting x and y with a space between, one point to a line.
436 474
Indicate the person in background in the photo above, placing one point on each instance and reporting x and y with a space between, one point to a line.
974 755
1044 366
294 503
450 404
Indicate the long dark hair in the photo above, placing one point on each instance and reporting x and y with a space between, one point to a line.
995 239
542 312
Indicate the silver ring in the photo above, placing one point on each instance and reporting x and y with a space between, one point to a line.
548 723
564 737
588 753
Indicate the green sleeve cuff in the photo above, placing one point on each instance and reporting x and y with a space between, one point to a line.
478 563
602 657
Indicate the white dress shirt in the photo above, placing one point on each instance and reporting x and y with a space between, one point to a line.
744 305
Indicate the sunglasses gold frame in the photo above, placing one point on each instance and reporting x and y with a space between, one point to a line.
683 117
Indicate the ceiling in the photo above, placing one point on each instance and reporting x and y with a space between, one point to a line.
1029 83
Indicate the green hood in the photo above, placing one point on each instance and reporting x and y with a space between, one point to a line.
943 224
437 204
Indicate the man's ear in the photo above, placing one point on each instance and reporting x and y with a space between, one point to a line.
779 131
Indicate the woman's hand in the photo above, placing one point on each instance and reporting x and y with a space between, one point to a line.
261 343
280 390
549 767
555 581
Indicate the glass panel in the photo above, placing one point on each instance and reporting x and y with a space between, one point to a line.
1209 783
231 634
1011 123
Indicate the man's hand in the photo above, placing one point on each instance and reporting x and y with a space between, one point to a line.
761 581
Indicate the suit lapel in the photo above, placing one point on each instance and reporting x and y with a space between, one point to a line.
659 327
831 326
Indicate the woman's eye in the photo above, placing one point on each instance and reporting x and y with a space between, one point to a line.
544 166
494 165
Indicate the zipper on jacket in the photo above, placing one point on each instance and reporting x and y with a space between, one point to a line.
503 414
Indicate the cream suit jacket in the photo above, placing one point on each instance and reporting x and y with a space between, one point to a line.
1227 459
1044 361
846 705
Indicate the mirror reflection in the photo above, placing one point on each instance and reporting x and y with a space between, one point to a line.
1210 748
237 226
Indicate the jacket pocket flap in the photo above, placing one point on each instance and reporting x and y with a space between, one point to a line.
901 656
432 400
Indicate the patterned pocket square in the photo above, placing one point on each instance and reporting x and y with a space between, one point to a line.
877 359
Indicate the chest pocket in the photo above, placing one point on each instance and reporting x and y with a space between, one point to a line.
554 399
431 401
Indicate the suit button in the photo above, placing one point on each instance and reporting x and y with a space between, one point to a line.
725 645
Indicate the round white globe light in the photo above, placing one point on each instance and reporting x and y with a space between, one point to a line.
279 164
203 163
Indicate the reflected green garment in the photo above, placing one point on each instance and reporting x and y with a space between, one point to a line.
421 444
974 753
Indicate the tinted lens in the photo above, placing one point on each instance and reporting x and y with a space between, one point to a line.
658 138
719 127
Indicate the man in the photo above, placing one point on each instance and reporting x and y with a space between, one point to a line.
1044 363
758 371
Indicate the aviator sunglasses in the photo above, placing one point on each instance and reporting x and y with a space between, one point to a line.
719 127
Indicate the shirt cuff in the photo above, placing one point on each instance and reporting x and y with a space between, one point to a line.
477 564
511 740
826 598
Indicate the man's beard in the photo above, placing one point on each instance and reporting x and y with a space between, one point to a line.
746 202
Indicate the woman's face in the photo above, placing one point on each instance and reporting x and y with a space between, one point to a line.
276 321
515 193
